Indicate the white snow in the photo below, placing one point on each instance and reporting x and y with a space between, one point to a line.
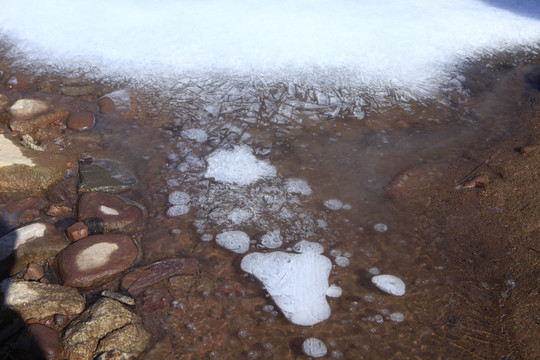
236 241
177 210
393 41
389 284
314 347
297 186
237 166
298 283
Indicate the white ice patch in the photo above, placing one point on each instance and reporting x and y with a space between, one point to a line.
237 166
272 239
177 210
197 135
393 41
314 347
342 261
108 211
298 283
333 204
179 198
397 317
237 241
389 284
297 186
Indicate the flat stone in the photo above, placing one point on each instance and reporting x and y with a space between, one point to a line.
82 336
95 258
34 300
22 169
25 108
28 124
115 212
96 178
139 279
30 244
81 121
76 90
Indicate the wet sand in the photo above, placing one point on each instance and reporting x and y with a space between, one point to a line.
469 257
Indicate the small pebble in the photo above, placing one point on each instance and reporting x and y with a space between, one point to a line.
81 121
34 272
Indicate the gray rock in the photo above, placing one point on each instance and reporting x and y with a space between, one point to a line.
22 169
103 175
95 258
25 108
31 243
96 327
34 300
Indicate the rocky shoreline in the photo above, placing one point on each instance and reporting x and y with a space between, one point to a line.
72 221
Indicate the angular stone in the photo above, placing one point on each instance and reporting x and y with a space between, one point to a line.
95 258
77 231
30 244
28 124
96 178
22 169
131 339
25 108
115 212
81 121
46 339
34 272
139 279
83 334
34 300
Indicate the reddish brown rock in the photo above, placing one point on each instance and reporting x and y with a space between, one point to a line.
20 82
139 279
95 258
46 339
115 212
58 210
31 243
81 121
77 231
20 205
106 105
34 272
56 118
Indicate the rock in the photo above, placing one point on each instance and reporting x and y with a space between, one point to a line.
30 244
389 284
20 82
56 210
131 339
94 331
34 272
104 175
236 241
26 170
26 108
4 101
298 283
46 340
479 181
28 124
106 105
95 225
34 300
116 355
81 121
314 347
95 258
115 212
77 231
76 90
124 299
139 279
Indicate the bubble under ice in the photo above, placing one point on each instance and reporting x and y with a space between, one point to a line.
297 282
389 284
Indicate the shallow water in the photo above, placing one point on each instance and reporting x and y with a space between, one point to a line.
347 144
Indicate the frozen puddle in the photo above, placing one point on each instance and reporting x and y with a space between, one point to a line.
297 282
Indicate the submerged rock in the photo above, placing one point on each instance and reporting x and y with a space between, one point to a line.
38 122
34 300
298 283
115 212
22 169
81 121
45 340
95 258
29 244
104 326
104 175
25 108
